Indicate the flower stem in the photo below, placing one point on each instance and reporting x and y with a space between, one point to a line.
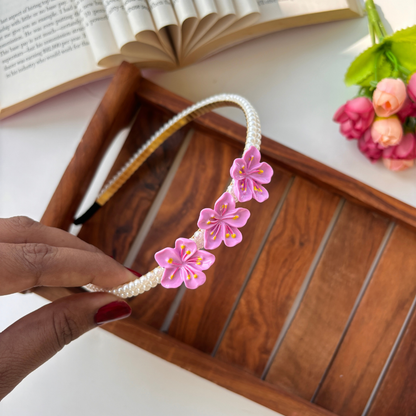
375 25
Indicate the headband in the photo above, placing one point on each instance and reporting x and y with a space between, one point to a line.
187 261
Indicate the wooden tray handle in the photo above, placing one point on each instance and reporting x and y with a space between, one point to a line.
114 113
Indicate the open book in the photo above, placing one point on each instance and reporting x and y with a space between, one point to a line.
49 46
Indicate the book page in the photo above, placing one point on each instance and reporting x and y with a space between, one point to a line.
124 37
119 22
248 13
166 24
141 22
187 18
277 9
227 15
208 16
42 44
99 33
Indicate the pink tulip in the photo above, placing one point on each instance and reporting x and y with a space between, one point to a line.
401 157
398 165
389 96
411 88
408 110
387 131
368 148
355 117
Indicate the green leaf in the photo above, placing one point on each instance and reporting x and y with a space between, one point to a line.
362 67
402 44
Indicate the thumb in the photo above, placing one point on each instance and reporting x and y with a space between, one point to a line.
37 337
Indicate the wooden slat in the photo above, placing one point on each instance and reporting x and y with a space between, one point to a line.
375 327
114 227
279 273
203 313
203 365
289 159
396 396
114 112
310 343
199 182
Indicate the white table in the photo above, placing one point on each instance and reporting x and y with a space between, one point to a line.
294 79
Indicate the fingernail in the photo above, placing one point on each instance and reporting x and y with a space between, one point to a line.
112 312
134 272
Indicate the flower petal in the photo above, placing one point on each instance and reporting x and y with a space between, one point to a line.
213 240
201 260
239 218
263 174
233 241
244 193
236 169
194 282
224 203
185 245
261 194
167 256
170 282
252 157
205 216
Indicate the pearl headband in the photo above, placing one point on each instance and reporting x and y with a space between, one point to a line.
186 262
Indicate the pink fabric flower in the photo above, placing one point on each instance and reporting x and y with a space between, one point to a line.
402 156
184 263
355 117
408 110
411 88
249 175
387 131
389 97
223 222
368 148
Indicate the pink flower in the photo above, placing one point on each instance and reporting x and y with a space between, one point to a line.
402 156
408 110
184 263
249 175
389 96
411 88
222 222
355 117
387 131
398 164
368 148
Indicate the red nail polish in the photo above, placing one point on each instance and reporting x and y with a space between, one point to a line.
112 312
134 272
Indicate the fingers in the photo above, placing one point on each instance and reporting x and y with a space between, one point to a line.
21 230
37 337
24 266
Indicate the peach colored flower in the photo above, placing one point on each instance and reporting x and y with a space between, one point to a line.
397 165
389 97
387 131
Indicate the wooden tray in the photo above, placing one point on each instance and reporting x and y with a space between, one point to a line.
310 314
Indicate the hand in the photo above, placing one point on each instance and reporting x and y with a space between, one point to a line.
31 255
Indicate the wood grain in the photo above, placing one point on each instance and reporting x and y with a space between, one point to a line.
114 227
375 327
114 112
396 396
205 366
200 180
312 338
202 313
279 273
201 364
289 159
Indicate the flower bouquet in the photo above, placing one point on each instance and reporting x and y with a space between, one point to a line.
382 117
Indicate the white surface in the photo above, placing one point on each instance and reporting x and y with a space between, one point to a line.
294 79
